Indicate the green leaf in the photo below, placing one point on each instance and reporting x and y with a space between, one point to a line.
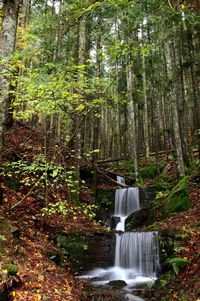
177 263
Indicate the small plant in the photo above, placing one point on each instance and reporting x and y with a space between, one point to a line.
2 238
106 202
39 173
167 278
63 208
178 263
59 207
89 210
184 234
12 269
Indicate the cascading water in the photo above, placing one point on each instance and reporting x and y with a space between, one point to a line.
136 253
126 202
120 180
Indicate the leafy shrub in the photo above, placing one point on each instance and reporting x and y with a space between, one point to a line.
64 209
39 172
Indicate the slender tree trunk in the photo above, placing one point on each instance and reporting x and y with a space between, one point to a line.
146 130
174 96
78 116
96 117
132 117
7 47
194 82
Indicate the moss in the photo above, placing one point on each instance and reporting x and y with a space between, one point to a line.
117 284
165 279
177 200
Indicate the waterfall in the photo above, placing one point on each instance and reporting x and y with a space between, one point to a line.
136 253
126 202
120 180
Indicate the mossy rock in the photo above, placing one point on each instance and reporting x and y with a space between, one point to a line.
11 268
178 200
139 218
117 284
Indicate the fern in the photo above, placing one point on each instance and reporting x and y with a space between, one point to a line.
178 263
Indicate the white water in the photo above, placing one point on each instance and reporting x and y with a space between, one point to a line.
136 253
126 202
120 180
136 261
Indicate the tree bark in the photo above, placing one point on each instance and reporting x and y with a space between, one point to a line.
174 96
7 47
146 130
132 117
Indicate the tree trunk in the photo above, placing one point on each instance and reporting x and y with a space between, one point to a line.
174 96
78 117
132 117
7 46
146 130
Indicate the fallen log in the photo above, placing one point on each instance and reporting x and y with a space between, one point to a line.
111 180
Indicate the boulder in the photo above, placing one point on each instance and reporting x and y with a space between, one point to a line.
114 221
117 284
142 217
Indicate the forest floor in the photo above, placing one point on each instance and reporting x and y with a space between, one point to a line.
26 235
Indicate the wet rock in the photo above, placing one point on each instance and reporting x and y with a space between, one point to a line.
87 250
146 196
114 221
117 283
142 217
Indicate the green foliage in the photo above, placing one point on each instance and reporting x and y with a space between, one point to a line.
12 269
58 207
39 172
178 263
106 202
74 247
2 238
167 278
177 199
161 195
148 172
184 234
64 209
